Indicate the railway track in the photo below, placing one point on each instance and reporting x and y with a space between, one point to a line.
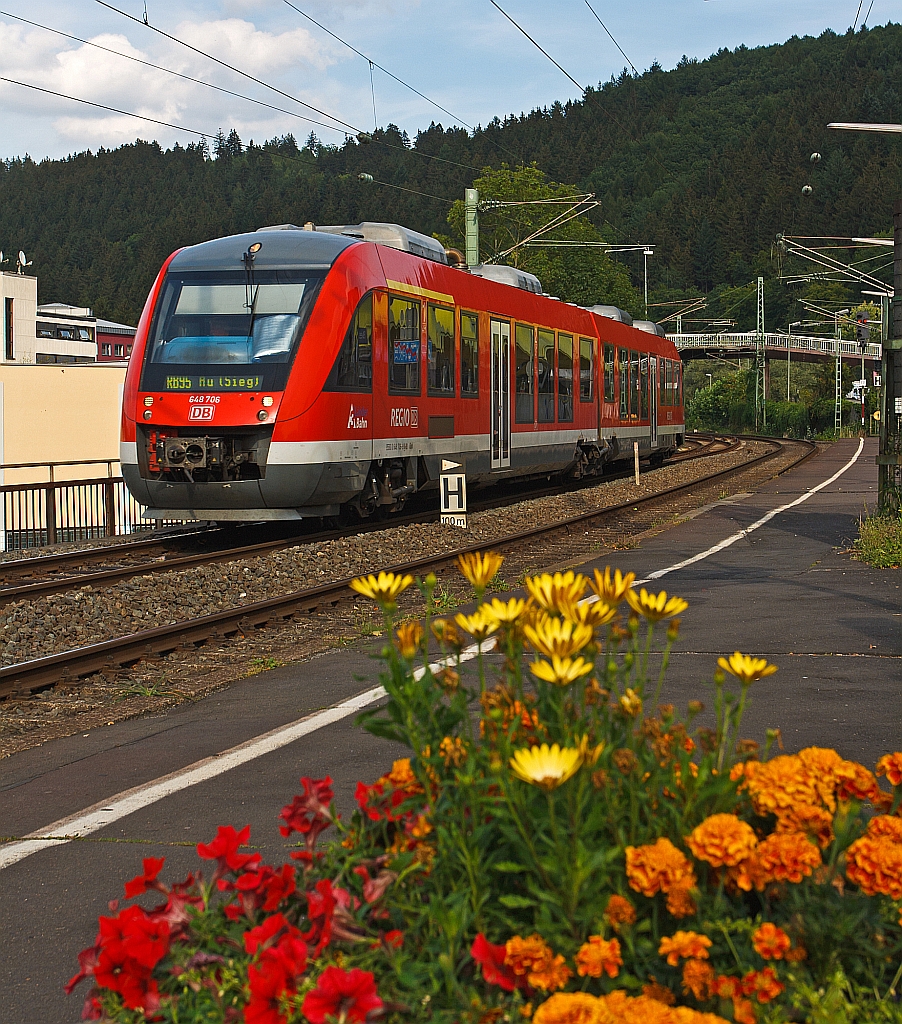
29 578
564 538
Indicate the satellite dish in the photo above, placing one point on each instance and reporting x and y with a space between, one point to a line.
807 190
22 261
815 158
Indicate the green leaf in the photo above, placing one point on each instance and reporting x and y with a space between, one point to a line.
514 902
509 866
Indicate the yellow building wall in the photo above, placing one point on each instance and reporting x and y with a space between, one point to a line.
59 413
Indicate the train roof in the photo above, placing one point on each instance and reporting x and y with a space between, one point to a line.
283 246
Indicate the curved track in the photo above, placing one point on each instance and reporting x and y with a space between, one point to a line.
69 666
105 566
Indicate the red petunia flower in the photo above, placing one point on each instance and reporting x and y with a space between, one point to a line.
263 933
349 995
147 880
224 850
494 970
309 813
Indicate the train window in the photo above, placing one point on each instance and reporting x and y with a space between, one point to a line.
635 385
663 393
545 376
643 386
524 370
469 354
565 378
608 373
440 349
403 346
624 384
677 382
353 368
586 369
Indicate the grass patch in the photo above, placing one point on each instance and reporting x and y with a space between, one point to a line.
880 542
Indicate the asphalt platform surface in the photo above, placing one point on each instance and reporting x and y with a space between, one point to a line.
787 590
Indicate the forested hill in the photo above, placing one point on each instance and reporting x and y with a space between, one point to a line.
706 161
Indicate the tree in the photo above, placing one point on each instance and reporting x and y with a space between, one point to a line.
576 274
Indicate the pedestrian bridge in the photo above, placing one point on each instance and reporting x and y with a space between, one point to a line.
805 348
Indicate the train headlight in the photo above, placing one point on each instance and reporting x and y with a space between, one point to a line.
148 400
267 401
262 414
147 414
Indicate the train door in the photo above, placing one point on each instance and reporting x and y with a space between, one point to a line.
653 399
501 416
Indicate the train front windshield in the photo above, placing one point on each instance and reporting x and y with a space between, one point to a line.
213 329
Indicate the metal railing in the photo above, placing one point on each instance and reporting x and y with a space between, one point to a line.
788 343
54 511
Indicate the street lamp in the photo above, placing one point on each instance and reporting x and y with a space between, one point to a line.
710 377
645 254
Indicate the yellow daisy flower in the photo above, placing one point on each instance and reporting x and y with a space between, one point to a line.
544 766
559 593
631 703
383 589
655 607
746 668
612 587
561 671
479 625
589 754
555 637
506 611
594 613
410 635
480 569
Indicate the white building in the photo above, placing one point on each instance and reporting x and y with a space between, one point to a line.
52 333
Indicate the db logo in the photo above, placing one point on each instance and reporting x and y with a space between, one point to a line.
201 412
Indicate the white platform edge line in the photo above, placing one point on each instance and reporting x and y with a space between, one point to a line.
105 812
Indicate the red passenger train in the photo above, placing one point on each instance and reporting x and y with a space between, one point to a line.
297 372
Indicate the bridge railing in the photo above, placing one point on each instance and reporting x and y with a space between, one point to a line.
787 343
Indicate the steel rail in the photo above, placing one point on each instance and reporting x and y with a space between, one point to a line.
711 445
68 666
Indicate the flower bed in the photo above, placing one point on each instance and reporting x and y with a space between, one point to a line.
559 846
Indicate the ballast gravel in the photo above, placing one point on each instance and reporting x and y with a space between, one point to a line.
61 622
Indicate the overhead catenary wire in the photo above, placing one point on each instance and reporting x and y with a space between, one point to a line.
169 71
613 40
359 133
231 67
103 106
394 77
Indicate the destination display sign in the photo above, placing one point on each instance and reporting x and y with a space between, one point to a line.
215 382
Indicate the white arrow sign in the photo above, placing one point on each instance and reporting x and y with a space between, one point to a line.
448 464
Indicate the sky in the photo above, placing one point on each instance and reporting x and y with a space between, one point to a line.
464 55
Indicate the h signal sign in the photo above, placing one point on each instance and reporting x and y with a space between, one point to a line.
453 495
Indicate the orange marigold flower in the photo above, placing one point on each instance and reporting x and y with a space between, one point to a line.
785 857
680 902
796 955
744 1011
815 822
781 784
620 911
874 864
722 840
890 765
660 993
764 985
569 1008
727 987
555 975
771 942
599 956
658 867
535 959
855 782
684 946
698 978
884 825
